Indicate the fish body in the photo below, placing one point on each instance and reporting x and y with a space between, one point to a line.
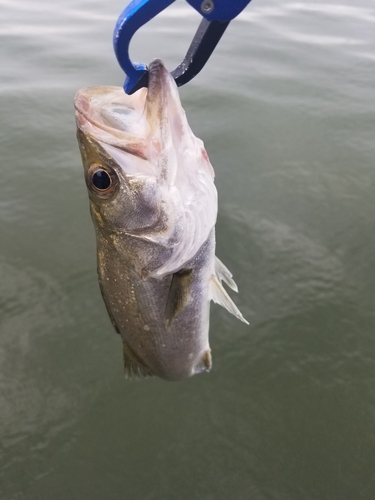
154 205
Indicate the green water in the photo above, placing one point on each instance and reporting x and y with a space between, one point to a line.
286 108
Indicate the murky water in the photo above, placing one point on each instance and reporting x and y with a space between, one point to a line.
286 107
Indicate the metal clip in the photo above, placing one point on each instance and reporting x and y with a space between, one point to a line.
216 16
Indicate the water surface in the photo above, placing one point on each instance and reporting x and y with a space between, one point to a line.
286 109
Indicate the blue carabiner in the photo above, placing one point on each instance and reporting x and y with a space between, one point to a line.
216 16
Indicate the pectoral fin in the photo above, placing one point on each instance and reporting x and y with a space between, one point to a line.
179 294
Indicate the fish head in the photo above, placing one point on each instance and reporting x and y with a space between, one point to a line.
149 179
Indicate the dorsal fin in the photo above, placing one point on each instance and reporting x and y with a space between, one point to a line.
223 273
132 366
217 292
179 294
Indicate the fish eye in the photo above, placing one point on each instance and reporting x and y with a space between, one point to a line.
102 181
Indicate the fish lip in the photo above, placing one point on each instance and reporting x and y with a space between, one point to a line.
157 78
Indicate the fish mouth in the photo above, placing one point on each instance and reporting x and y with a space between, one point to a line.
112 117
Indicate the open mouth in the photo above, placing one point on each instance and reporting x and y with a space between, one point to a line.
111 110
111 117
119 116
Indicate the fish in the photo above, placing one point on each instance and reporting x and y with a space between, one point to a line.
154 206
